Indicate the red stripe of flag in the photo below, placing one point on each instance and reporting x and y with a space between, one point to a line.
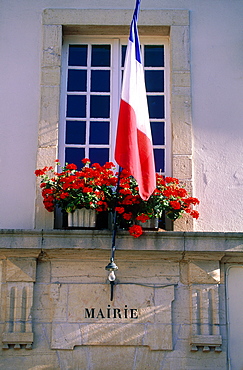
134 149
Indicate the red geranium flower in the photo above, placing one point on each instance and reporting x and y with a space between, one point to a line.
64 195
191 200
86 160
120 210
87 190
127 216
175 204
194 214
135 231
71 166
143 218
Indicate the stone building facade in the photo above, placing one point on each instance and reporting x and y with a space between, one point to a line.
169 309
177 297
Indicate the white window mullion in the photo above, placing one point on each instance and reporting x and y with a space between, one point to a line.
88 101
63 106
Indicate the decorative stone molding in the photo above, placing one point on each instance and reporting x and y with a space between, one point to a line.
204 276
17 301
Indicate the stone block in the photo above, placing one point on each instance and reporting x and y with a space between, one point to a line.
50 76
46 157
204 272
185 223
52 45
181 79
43 308
150 360
106 357
65 336
182 167
182 137
113 334
147 17
20 269
43 271
180 54
49 112
159 337
104 322
150 272
181 305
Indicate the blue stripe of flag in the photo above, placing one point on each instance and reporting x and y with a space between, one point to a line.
134 32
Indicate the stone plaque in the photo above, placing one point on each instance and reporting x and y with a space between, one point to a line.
139 315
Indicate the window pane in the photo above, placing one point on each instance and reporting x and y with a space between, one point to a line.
154 55
159 158
100 56
156 106
100 81
99 155
77 55
124 48
76 105
99 106
75 132
77 80
99 132
154 81
158 135
75 155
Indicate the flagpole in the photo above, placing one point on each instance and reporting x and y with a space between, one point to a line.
136 154
112 267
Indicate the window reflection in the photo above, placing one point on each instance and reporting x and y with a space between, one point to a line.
78 55
100 55
76 106
75 132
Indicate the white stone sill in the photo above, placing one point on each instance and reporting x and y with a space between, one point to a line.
213 245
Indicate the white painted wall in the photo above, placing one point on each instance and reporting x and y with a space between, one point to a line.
216 33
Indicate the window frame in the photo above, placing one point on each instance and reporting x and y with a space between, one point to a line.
116 42
59 22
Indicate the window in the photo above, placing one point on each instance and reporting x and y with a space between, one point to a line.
155 27
91 83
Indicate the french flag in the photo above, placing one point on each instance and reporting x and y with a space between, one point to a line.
134 150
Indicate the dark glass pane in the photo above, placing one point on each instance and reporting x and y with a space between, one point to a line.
76 106
77 80
100 56
99 132
159 158
75 132
154 55
124 48
99 155
75 155
158 135
100 81
154 81
99 106
77 55
156 106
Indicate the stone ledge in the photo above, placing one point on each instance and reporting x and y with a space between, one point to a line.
177 17
17 339
180 243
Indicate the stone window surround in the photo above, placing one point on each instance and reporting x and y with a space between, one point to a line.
58 22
